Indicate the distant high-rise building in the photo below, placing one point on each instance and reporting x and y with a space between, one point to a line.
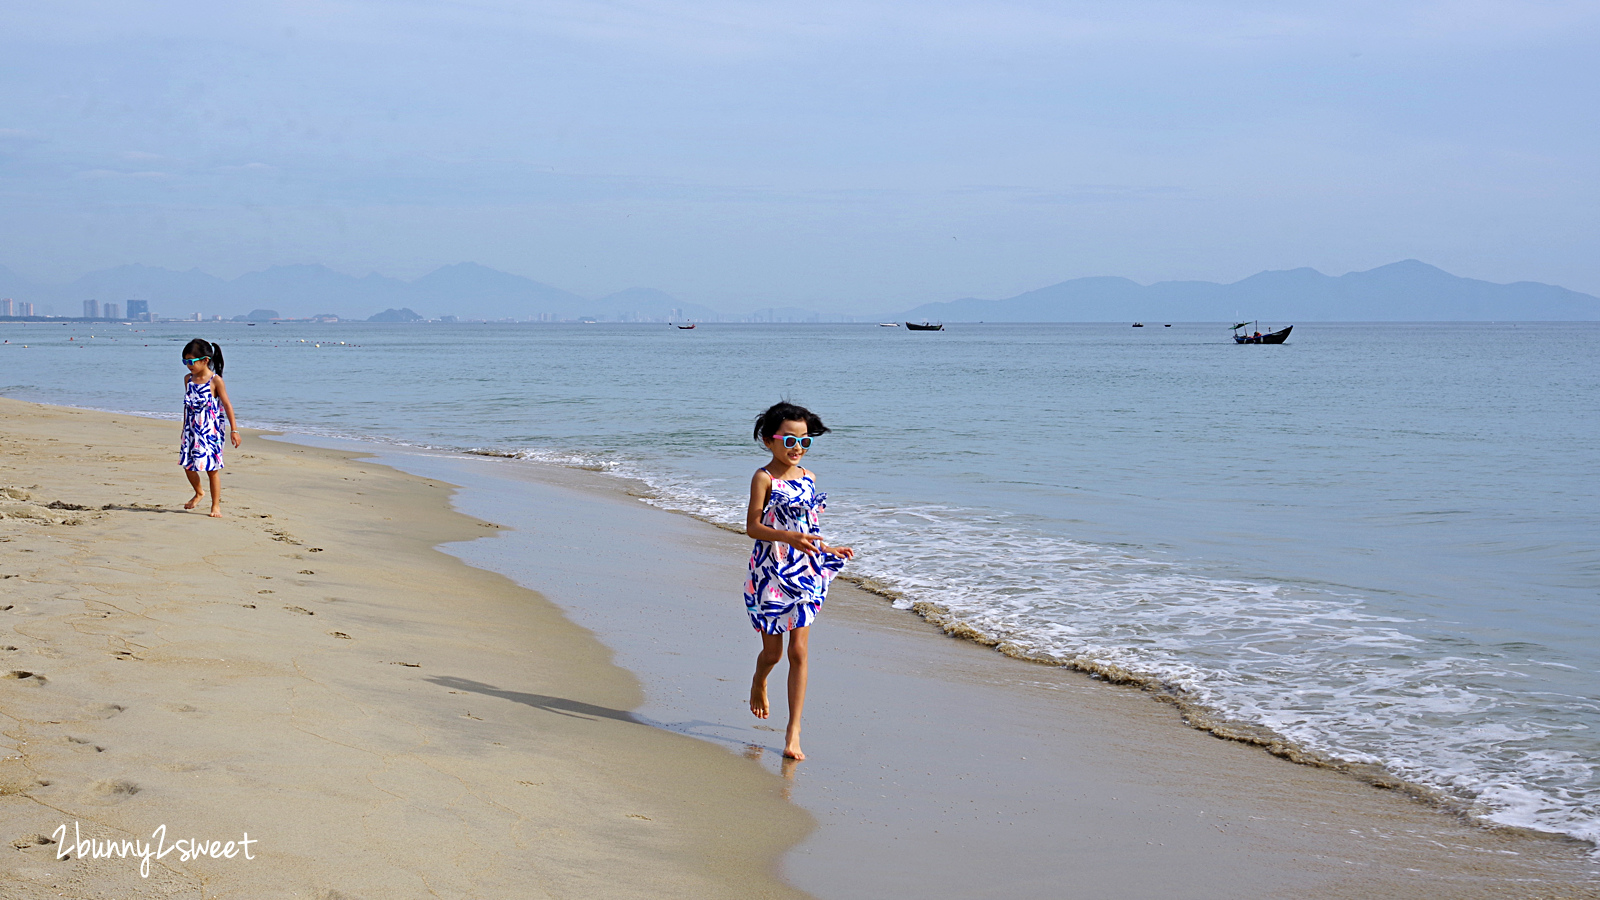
197 317
91 309
7 307
139 310
111 311
24 309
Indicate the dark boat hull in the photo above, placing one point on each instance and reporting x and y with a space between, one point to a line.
924 327
1276 337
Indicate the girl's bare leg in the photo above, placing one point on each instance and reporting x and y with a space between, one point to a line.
797 691
216 493
194 482
771 652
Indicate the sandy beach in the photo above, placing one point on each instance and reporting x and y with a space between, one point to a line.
384 719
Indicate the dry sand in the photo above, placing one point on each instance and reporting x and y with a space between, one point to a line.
381 719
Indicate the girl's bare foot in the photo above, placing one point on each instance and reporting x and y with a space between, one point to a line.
791 749
194 501
758 698
216 510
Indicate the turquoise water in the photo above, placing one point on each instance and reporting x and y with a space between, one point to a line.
1380 541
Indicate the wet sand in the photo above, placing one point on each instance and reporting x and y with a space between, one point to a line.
939 768
379 718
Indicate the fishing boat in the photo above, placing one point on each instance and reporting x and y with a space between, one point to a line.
925 326
1256 337
1138 324
686 327
888 324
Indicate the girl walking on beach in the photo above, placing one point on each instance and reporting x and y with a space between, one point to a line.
201 447
790 567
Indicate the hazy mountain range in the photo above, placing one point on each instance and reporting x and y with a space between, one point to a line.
1408 291
1403 291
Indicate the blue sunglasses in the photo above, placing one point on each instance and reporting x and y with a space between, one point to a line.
790 442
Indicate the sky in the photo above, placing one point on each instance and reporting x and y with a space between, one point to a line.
837 155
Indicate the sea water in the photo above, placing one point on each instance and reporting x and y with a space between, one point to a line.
1380 542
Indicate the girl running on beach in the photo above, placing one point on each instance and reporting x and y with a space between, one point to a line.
790 567
201 446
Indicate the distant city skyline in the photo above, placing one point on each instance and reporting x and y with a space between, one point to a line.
841 156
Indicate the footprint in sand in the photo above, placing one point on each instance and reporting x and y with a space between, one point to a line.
113 790
278 534
28 677
341 635
78 743
29 841
299 609
57 504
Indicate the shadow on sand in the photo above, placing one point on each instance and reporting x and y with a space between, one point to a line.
558 705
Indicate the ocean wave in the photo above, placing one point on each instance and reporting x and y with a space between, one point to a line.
1308 671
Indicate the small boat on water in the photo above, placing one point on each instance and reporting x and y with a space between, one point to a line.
1138 324
686 327
925 326
888 324
1256 337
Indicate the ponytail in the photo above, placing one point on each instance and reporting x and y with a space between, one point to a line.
216 358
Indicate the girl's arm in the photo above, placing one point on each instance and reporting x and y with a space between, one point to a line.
227 407
760 486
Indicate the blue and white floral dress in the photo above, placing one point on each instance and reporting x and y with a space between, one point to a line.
200 449
786 587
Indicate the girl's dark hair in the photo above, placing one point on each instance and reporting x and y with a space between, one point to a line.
768 423
197 348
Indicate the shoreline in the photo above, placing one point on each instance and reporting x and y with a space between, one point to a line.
380 718
1108 791
894 694
1193 711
